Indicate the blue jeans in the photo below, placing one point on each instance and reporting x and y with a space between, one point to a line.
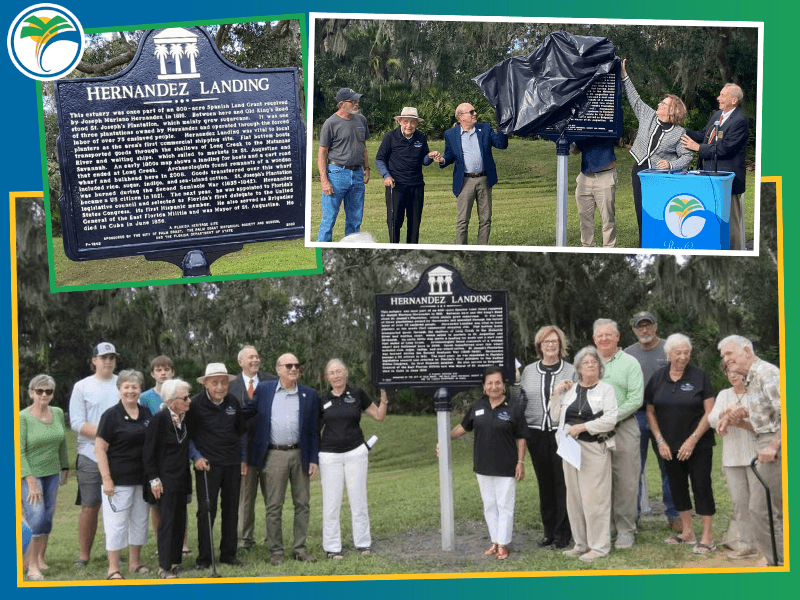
666 491
348 187
40 516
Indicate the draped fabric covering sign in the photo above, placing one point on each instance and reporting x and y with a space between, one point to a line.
559 83
180 150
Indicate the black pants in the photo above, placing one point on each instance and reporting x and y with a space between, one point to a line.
404 201
637 198
223 482
697 470
552 491
172 510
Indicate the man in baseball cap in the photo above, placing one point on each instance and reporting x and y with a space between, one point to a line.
90 398
343 165
649 351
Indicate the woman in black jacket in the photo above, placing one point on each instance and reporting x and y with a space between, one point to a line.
166 465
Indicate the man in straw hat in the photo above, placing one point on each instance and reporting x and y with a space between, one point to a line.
343 165
400 158
216 428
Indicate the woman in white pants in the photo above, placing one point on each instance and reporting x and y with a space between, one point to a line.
587 412
118 446
343 458
498 453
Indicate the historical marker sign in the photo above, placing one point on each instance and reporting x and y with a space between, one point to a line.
598 113
181 150
441 334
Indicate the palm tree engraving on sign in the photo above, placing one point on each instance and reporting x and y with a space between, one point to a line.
177 42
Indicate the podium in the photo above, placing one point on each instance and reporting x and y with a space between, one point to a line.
686 210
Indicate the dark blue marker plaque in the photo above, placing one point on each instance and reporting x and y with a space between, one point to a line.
440 334
180 151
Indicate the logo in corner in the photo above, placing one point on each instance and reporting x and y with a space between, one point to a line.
684 216
45 42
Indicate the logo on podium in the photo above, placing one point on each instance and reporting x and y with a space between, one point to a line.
684 216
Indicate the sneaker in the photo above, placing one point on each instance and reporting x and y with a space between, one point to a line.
364 551
303 556
590 556
335 555
574 551
276 559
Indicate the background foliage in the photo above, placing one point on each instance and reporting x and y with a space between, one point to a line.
430 64
318 317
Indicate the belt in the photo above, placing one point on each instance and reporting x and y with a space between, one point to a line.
603 171
353 168
481 174
292 447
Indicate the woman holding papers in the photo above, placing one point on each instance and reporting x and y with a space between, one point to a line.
500 430
679 399
586 414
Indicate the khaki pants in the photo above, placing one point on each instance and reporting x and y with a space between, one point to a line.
589 498
625 467
737 222
597 190
284 467
759 515
742 483
474 189
254 479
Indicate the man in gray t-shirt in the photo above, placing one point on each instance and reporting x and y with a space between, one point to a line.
343 165
649 351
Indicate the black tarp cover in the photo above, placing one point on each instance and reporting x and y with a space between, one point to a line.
532 92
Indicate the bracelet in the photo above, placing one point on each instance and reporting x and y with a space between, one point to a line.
520 462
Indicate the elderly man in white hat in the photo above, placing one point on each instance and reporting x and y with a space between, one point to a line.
217 447
400 158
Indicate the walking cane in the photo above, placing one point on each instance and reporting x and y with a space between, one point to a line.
769 511
210 528
392 229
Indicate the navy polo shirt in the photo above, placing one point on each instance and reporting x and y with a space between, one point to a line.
340 418
679 405
596 154
125 437
403 157
496 433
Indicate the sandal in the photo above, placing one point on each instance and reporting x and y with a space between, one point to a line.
676 539
164 574
140 570
491 550
335 555
35 576
703 549
80 563
115 575
502 552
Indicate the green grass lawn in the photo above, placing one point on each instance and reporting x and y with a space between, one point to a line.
281 256
403 498
523 201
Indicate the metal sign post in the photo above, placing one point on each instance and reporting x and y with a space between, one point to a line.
442 405
562 152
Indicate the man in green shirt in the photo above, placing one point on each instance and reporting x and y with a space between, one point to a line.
625 375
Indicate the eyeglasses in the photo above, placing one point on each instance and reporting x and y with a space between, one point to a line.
47 392
550 343
644 325
111 504
352 101
290 366
182 398
472 112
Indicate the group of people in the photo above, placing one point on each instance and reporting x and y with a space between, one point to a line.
587 426
661 143
239 433
257 430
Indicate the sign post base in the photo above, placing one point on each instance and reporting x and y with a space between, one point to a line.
442 406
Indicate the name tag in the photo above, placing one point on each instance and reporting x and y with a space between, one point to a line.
687 387
478 413
230 411
327 405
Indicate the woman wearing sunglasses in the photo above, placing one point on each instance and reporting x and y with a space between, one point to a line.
43 461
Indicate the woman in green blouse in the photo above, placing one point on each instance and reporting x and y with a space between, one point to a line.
43 461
